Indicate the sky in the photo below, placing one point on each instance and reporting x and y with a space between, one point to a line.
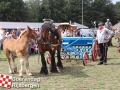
114 1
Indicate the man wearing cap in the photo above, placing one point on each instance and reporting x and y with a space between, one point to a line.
103 36
108 25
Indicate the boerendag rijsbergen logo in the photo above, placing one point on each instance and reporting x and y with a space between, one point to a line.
13 82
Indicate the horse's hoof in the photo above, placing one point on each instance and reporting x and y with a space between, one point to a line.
44 72
54 71
43 75
21 75
59 68
30 74
15 71
11 72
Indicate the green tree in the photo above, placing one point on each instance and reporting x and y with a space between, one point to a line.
57 9
4 11
33 7
44 11
103 9
12 10
110 12
117 8
75 10
87 12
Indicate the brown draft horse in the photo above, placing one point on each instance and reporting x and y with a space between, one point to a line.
19 47
49 40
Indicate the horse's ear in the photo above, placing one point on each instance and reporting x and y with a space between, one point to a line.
29 28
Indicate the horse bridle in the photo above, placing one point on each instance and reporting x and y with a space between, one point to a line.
51 31
32 36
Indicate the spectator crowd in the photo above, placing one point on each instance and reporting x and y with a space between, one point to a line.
14 34
69 33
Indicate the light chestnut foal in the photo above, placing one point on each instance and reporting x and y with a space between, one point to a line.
19 47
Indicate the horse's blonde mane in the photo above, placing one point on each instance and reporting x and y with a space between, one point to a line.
22 33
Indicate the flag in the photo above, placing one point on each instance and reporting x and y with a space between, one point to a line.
5 81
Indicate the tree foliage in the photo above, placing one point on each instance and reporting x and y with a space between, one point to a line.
117 9
60 11
33 7
12 10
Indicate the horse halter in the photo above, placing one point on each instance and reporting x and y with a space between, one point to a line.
54 31
32 36
48 35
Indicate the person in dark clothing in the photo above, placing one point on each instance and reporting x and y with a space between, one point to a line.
18 31
108 25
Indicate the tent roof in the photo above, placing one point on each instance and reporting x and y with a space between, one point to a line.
13 25
116 26
81 26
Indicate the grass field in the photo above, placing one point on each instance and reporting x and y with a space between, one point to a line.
74 76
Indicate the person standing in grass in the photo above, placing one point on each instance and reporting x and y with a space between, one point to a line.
103 36
108 25
2 37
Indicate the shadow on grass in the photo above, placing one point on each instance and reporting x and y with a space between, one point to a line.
112 46
113 63
111 58
3 59
75 71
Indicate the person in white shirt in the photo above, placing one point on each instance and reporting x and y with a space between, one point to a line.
103 36
2 36
63 33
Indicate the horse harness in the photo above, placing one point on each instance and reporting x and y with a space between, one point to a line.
48 42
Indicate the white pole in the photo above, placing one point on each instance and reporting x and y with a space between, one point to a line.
82 12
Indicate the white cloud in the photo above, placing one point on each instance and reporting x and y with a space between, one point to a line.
114 1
